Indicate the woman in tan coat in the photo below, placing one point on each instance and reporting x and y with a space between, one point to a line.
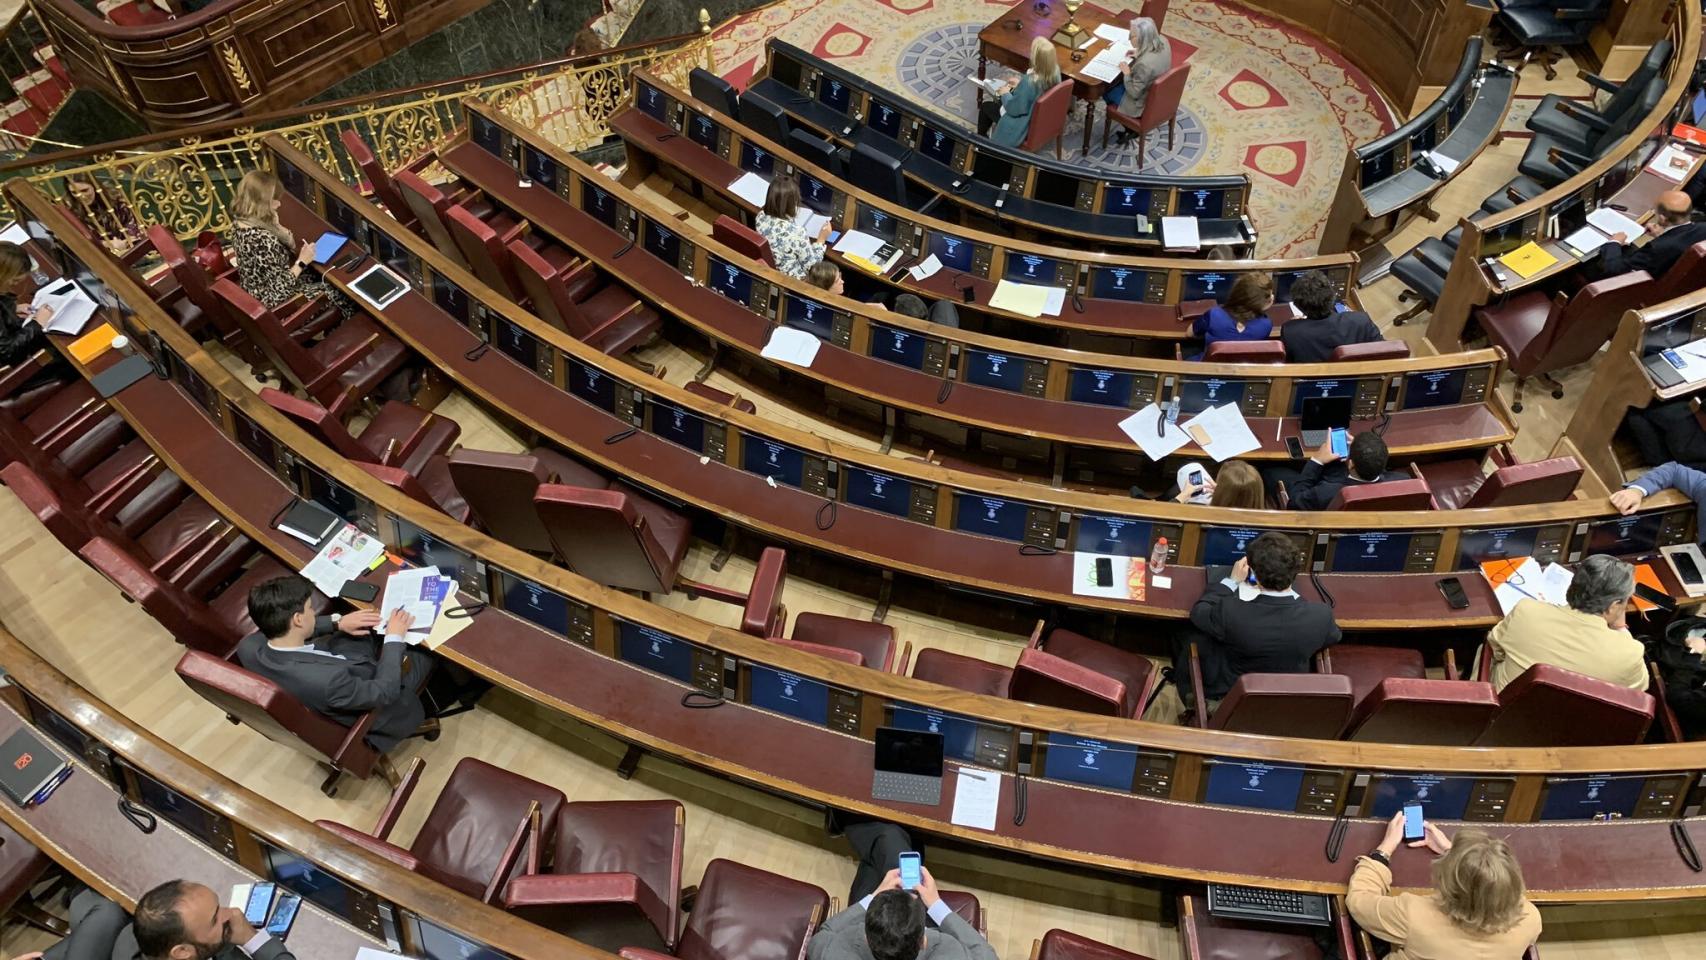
1476 911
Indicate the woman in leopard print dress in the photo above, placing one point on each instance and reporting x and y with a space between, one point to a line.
261 246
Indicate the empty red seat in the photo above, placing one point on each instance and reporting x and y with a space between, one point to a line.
1548 706
1373 350
744 913
430 205
1541 333
1073 672
487 250
433 487
1461 485
741 238
609 319
378 178
962 672
1204 936
355 357
73 425
1366 665
1062 945
967 906
1312 706
399 435
874 642
614 537
1447 713
1392 495
499 488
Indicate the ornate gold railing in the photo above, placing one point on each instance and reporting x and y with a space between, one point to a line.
185 182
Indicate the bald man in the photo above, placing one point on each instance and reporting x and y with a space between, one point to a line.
1672 233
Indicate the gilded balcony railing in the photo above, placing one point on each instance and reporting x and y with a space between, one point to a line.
185 180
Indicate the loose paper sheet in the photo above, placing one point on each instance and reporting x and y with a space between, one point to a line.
791 346
1586 240
809 220
1671 163
859 244
1222 432
1180 233
927 269
347 555
1105 66
977 797
752 188
1143 429
1610 222
1026 299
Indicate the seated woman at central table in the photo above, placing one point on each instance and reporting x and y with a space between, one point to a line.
794 250
1010 116
1151 56
1244 315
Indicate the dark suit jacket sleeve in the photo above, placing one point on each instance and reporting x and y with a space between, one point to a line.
1367 332
1208 613
1308 493
350 692
274 948
1330 633
977 948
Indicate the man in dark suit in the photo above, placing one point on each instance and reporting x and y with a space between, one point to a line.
177 920
1323 326
1672 232
1262 627
1324 474
330 664
96 925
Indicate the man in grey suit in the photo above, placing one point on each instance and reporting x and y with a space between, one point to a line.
889 925
331 665
177 920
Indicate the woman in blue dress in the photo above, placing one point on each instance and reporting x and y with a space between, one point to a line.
1244 314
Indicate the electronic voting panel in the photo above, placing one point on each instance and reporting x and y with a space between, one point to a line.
683 660
1233 782
801 697
782 463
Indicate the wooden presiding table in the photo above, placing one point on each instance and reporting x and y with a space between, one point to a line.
1007 41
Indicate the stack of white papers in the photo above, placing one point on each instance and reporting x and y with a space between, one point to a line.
1531 581
1180 233
752 188
992 87
72 308
419 592
1446 165
977 797
1145 429
1028 299
1222 432
859 244
927 269
1113 33
1612 222
1689 361
1586 240
809 220
1672 163
349 554
791 346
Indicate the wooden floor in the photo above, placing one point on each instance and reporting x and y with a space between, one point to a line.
75 618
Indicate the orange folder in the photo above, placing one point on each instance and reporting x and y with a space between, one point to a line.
94 343
1644 573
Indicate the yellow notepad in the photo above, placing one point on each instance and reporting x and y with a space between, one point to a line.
94 343
1528 260
1025 299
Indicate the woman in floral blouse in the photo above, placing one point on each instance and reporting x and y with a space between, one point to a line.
262 248
794 250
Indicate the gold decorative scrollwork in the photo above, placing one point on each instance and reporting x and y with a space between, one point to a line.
234 63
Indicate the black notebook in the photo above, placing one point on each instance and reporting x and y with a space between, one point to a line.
308 521
28 768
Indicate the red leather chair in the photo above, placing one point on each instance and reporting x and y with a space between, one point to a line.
1366 665
192 282
834 653
129 491
1549 706
1155 10
1060 944
354 357
1686 275
431 206
614 877
614 537
378 178
433 487
1460 484
610 320
476 834
1160 106
1448 713
250 699
399 435
1375 350
1245 351
28 383
1542 334
743 913
874 642
1073 672
499 489
73 425
1203 936
741 238
22 867
962 672
967 906
1392 495
1309 705
487 250
1048 118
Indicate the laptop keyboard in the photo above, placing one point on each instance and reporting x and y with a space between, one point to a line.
906 788
1312 439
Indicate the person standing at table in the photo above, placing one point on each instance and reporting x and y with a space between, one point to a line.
1151 56
1007 119
1244 315
794 250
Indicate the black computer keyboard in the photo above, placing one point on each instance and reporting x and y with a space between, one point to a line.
1269 906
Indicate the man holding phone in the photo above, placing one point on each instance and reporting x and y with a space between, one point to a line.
1327 471
889 925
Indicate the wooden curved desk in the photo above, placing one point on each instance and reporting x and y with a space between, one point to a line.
582 676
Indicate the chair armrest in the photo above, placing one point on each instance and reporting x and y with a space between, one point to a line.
1323 660
419 164
354 741
512 853
581 889
695 590
1196 688
1501 455
105 501
294 314
1564 157
1036 640
13 378
340 366
612 320
1451 665
1342 929
410 444
905 657
1699 417
343 404
1597 81
514 233
399 796
186 551
1585 13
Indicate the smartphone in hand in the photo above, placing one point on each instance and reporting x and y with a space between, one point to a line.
911 870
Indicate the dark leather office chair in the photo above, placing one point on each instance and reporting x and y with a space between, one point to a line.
379 181
475 836
1073 672
713 91
1365 665
355 356
1549 706
499 488
1048 118
1245 351
609 319
433 486
1460 484
1309 705
1547 27
1375 350
263 706
743 913
1549 162
399 435
764 117
817 152
1447 713
741 238
1060 944
1410 494
614 537
877 172
613 878
962 672
1542 334
1575 124
1160 106
1204 936
1669 725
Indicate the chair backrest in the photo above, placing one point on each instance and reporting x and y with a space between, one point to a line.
1687 274
600 535
265 707
817 152
499 488
823 650
645 838
1164 95
1245 351
484 251
764 117
318 421
186 618
742 912
713 91
400 480
1575 333
1156 10
263 328
764 615
1628 95
1411 494
1550 706
741 238
544 285
1053 681
1373 350
429 205
962 672
1447 713
1060 944
378 178
1314 706
191 277
1670 725
881 174
462 841
1048 117
1553 480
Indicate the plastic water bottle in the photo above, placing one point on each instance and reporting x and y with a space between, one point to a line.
1158 556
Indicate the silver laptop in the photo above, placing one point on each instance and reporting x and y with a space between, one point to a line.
908 766
1320 416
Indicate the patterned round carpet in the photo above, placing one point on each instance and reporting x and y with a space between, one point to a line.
1265 99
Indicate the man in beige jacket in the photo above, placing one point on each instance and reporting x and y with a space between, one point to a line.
1589 636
